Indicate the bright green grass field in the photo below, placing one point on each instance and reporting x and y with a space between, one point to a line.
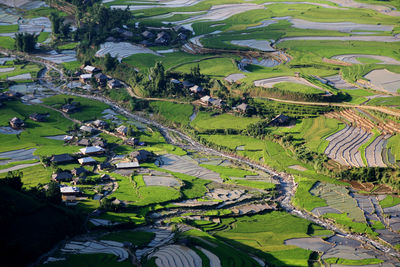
313 131
264 235
217 68
385 101
7 42
89 110
226 172
34 133
367 60
174 112
358 96
33 69
144 195
303 198
389 201
68 46
295 87
43 36
8 28
206 121
394 145
73 65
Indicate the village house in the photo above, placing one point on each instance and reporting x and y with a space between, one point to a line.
105 178
187 84
148 35
242 108
92 150
196 89
38 117
218 103
140 155
68 138
99 142
69 193
69 108
16 123
206 100
122 130
87 129
175 81
132 141
87 161
112 84
62 176
127 165
91 69
78 171
61 159
162 38
101 79
84 142
279 120
85 78
104 166
100 124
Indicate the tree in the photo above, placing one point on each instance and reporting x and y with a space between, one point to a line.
53 193
56 22
110 62
25 42
13 180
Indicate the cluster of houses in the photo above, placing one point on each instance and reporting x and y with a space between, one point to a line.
92 73
18 123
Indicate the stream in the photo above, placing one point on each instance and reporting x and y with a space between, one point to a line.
287 186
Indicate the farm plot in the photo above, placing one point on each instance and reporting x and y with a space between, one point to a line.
338 26
388 39
17 155
370 206
394 213
122 50
234 77
270 82
94 247
59 58
338 197
312 243
138 4
262 45
338 82
344 146
384 80
162 236
355 59
189 167
379 8
8 16
176 255
161 181
221 12
374 152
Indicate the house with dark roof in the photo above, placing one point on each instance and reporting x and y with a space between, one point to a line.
38 117
99 142
78 171
84 142
114 84
122 130
162 38
132 141
279 120
187 84
148 35
104 166
62 176
17 123
62 158
87 129
101 79
69 108
140 155
100 124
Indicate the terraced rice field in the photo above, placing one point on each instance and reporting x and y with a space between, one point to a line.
176 256
344 146
337 197
354 59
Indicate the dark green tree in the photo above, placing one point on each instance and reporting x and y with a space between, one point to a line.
53 193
